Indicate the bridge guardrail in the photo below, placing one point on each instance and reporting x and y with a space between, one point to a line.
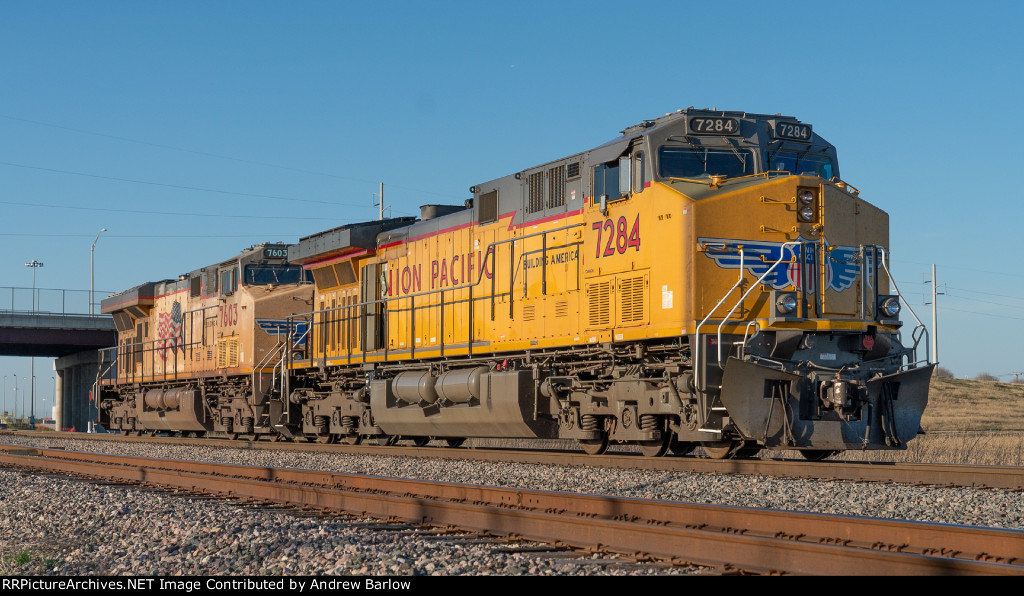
15 300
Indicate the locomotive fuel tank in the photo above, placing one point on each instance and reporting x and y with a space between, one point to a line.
485 404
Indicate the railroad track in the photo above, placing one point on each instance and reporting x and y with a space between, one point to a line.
953 475
726 538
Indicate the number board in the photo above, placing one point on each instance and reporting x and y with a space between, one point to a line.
793 131
713 125
275 253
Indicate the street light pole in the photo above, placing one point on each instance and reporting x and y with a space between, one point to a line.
34 264
32 385
92 270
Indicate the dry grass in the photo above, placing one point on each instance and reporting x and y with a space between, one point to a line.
956 405
970 422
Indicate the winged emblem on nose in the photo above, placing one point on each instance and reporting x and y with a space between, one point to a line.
781 262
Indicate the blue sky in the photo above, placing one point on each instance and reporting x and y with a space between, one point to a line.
192 130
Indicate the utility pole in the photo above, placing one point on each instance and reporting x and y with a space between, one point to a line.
935 316
1016 376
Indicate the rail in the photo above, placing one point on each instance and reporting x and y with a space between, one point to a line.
750 539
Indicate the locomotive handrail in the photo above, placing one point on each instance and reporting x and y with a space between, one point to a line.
846 186
145 353
717 181
287 357
747 293
100 373
746 333
699 380
262 364
920 326
490 253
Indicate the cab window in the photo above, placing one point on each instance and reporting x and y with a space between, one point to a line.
696 162
228 281
639 172
261 275
606 180
797 163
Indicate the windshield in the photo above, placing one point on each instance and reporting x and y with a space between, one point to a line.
796 163
694 162
261 275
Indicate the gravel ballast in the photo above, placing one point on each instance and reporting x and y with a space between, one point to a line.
71 527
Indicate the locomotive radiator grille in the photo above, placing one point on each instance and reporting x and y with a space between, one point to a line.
631 291
600 303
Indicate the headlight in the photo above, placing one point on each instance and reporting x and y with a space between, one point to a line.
805 197
891 306
807 213
785 304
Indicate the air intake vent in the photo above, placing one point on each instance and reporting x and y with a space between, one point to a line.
325 277
346 275
227 352
562 308
599 295
556 187
487 211
631 294
529 312
536 193
122 322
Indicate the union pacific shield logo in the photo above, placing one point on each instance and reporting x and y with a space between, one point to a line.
780 263
281 327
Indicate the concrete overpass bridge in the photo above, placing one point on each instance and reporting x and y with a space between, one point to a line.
51 323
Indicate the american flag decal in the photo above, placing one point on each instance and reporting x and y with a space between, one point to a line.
169 331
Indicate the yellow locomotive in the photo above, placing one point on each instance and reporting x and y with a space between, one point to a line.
706 278
193 353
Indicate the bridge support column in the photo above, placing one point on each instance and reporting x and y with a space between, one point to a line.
58 398
76 374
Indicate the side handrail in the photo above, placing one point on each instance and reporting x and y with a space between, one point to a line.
490 253
287 355
700 379
920 331
263 363
782 255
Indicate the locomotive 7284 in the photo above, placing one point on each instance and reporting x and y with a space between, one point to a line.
706 278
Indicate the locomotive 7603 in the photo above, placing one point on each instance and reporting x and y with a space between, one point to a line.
706 278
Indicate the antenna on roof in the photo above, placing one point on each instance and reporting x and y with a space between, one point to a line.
381 204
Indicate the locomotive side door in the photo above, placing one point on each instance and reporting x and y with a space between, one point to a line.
371 323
